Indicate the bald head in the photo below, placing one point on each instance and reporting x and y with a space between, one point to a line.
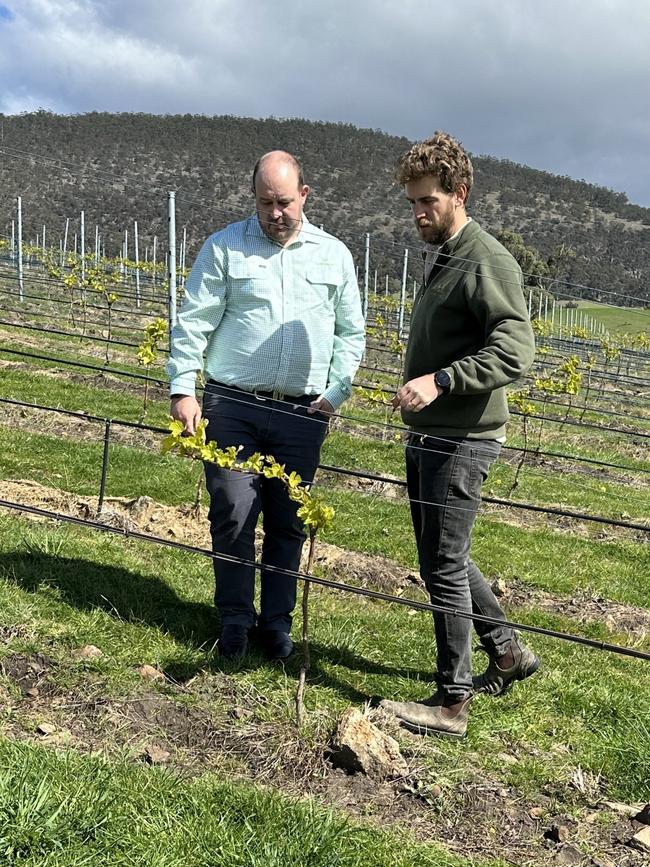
280 194
278 160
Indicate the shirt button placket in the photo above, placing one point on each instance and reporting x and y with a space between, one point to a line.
288 315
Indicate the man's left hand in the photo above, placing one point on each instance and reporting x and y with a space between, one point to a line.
417 393
320 405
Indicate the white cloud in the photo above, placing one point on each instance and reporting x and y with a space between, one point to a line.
560 85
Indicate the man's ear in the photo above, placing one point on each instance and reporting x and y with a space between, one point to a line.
461 194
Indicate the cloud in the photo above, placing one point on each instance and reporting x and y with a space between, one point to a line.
559 85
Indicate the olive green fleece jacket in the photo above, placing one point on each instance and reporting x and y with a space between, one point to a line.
470 319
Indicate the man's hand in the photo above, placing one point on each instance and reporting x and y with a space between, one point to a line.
186 408
320 405
417 393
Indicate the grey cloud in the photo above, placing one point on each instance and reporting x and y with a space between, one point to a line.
560 85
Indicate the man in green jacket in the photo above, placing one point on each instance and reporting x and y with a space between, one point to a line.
469 338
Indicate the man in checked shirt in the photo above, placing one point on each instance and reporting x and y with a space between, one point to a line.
272 314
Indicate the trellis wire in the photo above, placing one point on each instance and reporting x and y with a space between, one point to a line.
602 646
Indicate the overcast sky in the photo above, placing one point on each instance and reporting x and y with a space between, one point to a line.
560 85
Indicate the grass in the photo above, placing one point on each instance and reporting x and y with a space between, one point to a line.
62 587
138 604
67 811
133 470
632 320
542 558
89 396
555 562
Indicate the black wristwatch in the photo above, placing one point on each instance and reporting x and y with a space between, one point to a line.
442 380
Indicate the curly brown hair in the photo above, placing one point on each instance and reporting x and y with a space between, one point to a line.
442 156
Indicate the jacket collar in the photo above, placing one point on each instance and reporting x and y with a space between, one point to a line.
470 230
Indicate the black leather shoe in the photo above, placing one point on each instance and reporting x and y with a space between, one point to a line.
276 644
233 642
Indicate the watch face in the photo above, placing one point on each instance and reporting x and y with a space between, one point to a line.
443 379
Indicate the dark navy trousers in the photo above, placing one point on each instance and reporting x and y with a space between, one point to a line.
281 428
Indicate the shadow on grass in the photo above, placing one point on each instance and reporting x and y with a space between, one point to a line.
323 657
124 594
148 601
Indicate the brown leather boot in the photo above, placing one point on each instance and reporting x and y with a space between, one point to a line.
437 715
517 663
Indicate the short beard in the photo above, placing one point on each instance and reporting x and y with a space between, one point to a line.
268 226
437 235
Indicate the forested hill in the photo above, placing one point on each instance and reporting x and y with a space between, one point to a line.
119 167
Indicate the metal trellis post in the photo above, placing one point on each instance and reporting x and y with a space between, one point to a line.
402 299
137 264
171 261
365 277
19 205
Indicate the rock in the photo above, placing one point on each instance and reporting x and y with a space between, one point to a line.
623 809
240 713
88 651
570 855
358 745
499 587
140 506
601 861
643 816
150 673
557 833
33 692
155 755
641 839
536 812
45 729
507 759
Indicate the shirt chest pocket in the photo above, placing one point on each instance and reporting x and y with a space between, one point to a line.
250 280
322 285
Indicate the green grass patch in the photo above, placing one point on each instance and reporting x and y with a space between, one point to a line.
89 396
67 811
552 561
632 320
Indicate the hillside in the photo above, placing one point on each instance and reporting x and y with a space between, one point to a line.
118 168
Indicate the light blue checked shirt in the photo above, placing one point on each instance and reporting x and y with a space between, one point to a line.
264 317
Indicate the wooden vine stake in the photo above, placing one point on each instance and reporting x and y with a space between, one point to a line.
306 661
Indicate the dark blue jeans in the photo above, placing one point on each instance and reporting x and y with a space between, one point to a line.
282 429
444 479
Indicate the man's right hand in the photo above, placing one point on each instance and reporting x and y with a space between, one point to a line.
186 408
